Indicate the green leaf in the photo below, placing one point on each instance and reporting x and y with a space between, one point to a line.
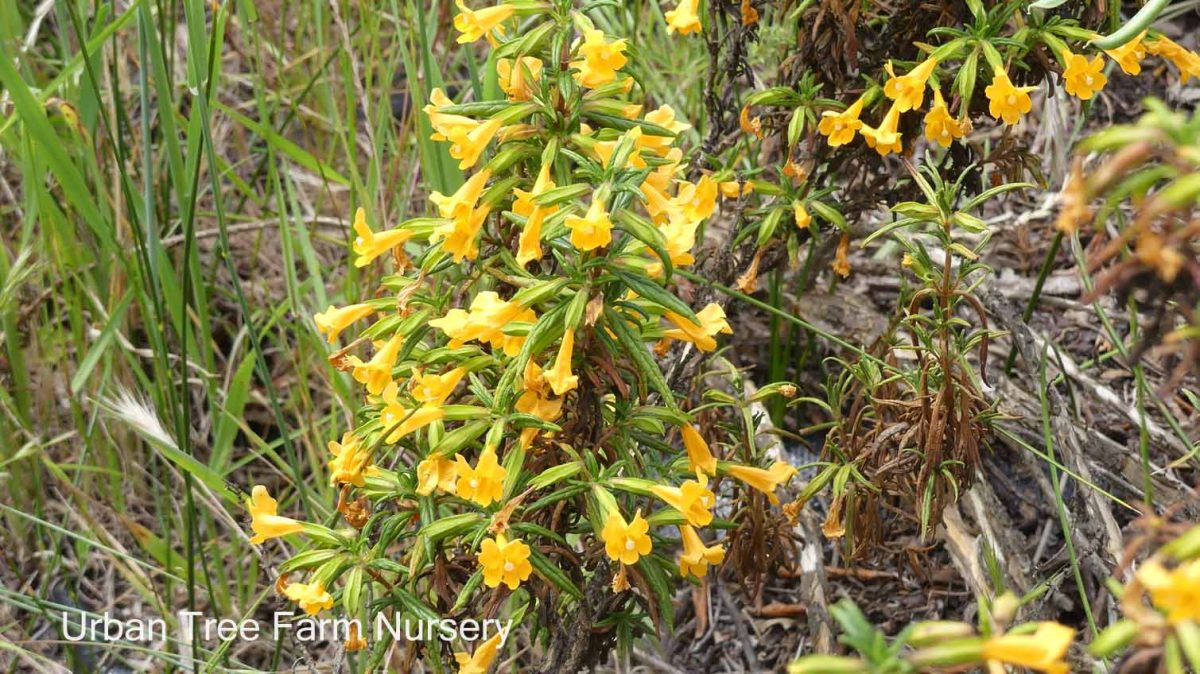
548 570
647 289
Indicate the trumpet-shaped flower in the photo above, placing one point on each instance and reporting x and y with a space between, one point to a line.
1042 651
368 245
460 235
625 541
940 126
1083 78
467 144
481 660
1129 55
885 139
351 461
484 483
1186 61
485 323
535 396
766 480
1176 592
504 561
435 473
593 230
800 215
839 127
529 246
332 321
264 518
402 420
433 389
444 124
693 499
376 373
476 23
712 322
601 59
517 78
311 597
697 201
680 235
909 90
1006 101
559 376
684 18
664 116
700 458
696 556
751 125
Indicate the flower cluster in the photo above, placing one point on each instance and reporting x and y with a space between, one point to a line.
516 427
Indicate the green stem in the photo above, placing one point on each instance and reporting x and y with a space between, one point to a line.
1033 299
1140 22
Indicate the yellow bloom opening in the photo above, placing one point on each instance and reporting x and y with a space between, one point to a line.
504 561
1129 55
476 23
333 321
312 597
435 473
529 246
559 376
839 128
765 480
908 90
376 373
886 139
593 230
264 518
403 420
351 461
601 59
1005 101
1082 78
1175 592
940 126
712 322
460 236
693 499
481 660
696 556
517 78
368 245
684 18
700 458
484 483
800 215
1042 651
433 389
625 541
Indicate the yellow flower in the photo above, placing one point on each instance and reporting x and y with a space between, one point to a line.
517 79
696 556
1006 101
940 126
909 90
433 389
800 215
684 18
601 59
481 660
693 499
468 143
484 483
1176 592
504 561
460 236
1042 651
333 320
700 459
697 201
377 372
529 247
435 473
444 124
680 236
475 23
625 542
485 323
351 461
1129 55
535 398
1083 78
885 139
840 127
765 480
312 598
712 321
354 639
664 116
559 376
264 520
593 230
401 420
368 245
1188 62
